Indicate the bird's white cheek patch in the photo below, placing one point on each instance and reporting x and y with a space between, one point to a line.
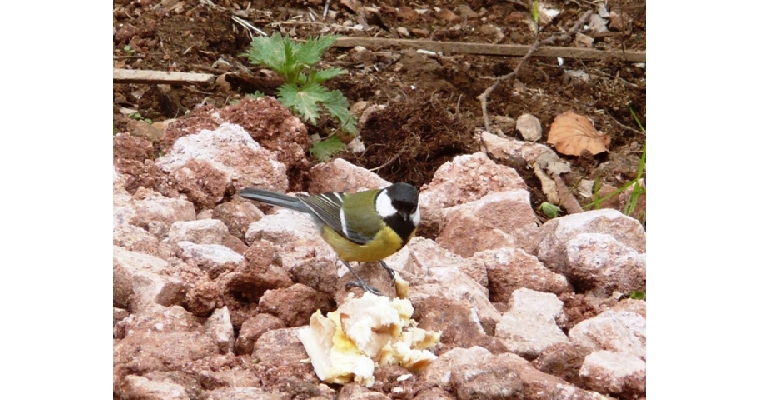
416 216
384 206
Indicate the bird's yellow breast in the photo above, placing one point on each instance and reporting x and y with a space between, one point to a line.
385 243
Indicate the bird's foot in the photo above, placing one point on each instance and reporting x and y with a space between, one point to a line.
359 282
363 285
390 270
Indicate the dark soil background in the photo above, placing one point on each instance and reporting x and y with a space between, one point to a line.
433 110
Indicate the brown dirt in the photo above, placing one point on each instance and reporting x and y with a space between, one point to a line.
432 110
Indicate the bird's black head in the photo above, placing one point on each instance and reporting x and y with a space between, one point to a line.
404 197
398 206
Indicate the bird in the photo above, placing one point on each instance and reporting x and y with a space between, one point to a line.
364 226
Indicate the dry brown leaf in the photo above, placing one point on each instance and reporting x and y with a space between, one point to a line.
354 5
571 134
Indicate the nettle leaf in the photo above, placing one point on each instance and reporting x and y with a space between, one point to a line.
311 51
302 78
337 105
324 149
325 74
292 68
255 95
304 101
269 51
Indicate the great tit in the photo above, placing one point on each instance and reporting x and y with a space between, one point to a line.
363 226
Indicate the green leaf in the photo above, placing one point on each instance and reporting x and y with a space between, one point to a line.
549 209
337 106
305 101
255 95
311 51
638 295
302 79
269 51
325 149
325 74
535 11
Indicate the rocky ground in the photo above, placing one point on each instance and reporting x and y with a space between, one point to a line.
210 290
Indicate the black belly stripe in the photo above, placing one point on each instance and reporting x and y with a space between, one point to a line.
403 228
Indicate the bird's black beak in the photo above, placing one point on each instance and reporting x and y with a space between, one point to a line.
404 215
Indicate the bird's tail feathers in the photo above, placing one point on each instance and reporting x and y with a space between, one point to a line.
274 198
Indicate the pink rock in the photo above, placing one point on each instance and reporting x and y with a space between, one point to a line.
341 176
555 235
212 258
605 265
301 250
219 327
138 284
613 372
253 328
508 211
531 323
205 164
540 385
238 215
293 305
149 206
434 272
462 180
618 331
281 346
138 387
466 235
204 231
510 269
475 373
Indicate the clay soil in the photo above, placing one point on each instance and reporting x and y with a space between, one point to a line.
432 107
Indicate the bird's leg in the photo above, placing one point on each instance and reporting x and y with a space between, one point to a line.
359 282
389 269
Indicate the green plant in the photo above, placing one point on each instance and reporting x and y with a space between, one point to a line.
638 295
549 209
638 190
302 91
129 50
535 12
138 117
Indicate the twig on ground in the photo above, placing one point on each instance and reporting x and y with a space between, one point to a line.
327 7
626 127
180 78
483 97
490 49
520 4
386 163
248 27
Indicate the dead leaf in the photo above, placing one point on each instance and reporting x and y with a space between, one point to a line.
547 185
571 134
354 5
